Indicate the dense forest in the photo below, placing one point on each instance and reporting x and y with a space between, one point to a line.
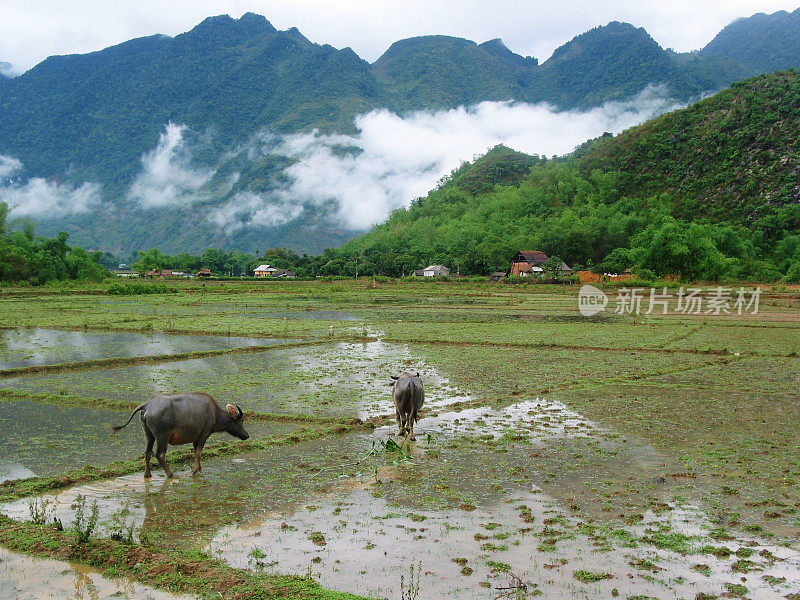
34 259
90 117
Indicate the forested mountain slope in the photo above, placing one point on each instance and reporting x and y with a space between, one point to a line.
708 191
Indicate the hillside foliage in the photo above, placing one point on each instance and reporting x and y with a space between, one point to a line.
706 192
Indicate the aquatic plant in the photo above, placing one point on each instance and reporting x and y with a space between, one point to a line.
84 524
40 510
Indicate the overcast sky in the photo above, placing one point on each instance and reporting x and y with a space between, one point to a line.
31 30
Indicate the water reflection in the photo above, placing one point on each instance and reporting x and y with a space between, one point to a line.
29 347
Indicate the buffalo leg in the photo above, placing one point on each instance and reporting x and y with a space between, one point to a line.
161 455
148 452
198 450
410 427
399 420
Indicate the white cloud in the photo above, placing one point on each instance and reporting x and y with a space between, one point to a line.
395 159
7 69
167 178
255 210
41 198
9 166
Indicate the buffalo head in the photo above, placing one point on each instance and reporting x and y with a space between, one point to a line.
236 428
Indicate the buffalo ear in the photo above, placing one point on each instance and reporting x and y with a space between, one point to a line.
241 414
393 377
232 411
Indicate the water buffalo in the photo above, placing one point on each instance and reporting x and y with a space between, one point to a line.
408 398
182 418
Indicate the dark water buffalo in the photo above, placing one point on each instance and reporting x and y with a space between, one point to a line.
408 398
182 418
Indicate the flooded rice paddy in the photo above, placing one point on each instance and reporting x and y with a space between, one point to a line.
26 578
31 347
497 498
346 379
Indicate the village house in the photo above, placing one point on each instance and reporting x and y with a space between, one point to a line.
498 275
264 271
204 272
160 274
530 263
435 271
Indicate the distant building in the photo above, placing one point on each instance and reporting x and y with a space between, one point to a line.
204 272
498 275
419 273
125 272
160 274
284 273
530 263
435 271
264 271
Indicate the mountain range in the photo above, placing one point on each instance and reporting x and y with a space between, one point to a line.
99 117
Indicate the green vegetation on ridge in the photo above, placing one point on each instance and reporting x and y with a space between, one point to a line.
706 192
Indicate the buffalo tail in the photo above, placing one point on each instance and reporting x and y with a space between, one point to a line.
135 410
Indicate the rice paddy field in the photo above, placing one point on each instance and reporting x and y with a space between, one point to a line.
620 455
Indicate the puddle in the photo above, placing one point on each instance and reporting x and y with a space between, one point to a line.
44 439
28 347
26 578
535 420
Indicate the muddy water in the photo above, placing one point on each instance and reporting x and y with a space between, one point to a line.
26 347
358 543
333 380
26 578
357 376
190 509
485 492
43 439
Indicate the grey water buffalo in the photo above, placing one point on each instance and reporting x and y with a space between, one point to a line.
409 396
183 418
